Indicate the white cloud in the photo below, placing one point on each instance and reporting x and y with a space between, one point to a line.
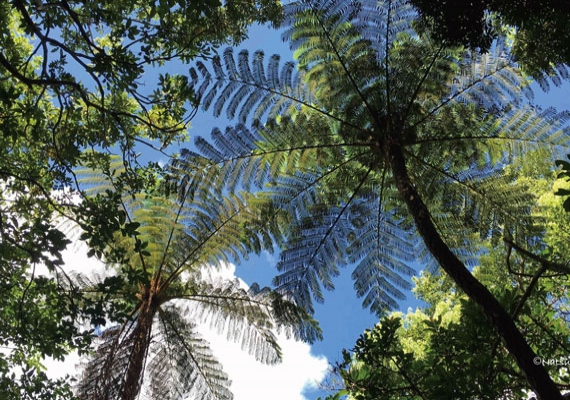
58 369
287 380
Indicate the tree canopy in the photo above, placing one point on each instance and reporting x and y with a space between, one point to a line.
540 28
382 147
419 355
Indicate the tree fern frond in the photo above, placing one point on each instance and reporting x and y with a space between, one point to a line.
96 181
498 141
382 249
490 79
223 229
182 362
253 157
249 317
314 256
384 232
203 225
233 82
329 47
556 74
481 201
104 374
239 315
529 128
368 17
375 274
371 88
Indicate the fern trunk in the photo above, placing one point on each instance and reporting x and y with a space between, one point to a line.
141 338
501 321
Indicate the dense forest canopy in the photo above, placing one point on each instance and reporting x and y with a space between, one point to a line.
539 28
384 145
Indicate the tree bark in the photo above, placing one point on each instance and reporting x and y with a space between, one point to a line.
141 338
537 376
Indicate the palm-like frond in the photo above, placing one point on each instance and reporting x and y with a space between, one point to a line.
382 248
241 316
555 75
103 375
384 127
177 362
323 229
201 227
231 84
494 75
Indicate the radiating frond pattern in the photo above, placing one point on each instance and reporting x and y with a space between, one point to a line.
167 271
103 375
366 81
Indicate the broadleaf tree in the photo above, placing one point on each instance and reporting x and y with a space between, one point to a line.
419 355
384 148
539 29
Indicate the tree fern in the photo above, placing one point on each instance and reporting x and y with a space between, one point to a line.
377 121
163 263
226 84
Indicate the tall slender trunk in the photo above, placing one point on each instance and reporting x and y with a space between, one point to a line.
501 321
141 338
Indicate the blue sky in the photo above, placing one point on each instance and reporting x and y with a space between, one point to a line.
558 97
